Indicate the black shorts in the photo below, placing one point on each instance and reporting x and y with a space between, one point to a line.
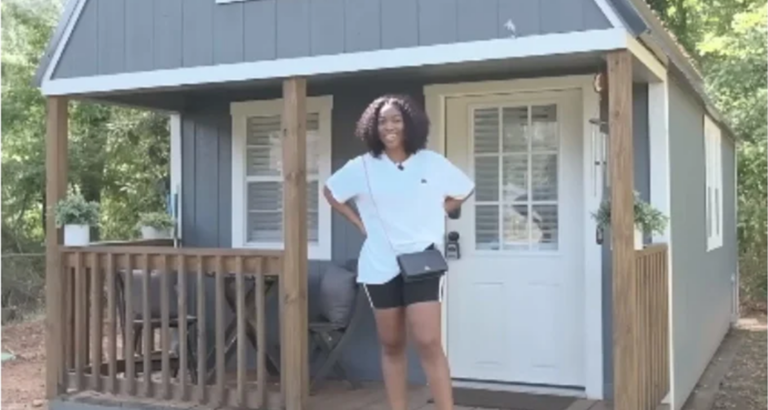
398 293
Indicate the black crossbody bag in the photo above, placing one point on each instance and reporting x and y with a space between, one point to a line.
414 266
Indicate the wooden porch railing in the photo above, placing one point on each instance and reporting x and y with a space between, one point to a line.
652 324
99 292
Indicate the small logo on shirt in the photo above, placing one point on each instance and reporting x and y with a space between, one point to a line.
423 181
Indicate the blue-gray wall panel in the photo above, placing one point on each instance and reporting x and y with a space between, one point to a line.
115 36
167 41
437 22
197 32
229 30
140 18
327 26
399 24
642 180
260 35
477 20
701 280
363 25
293 29
111 22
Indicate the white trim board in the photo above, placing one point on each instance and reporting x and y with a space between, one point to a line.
610 13
323 105
474 51
658 138
435 96
176 170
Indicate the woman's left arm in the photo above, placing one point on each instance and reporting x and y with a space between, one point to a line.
456 185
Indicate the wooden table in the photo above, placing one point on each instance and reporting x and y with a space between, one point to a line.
230 334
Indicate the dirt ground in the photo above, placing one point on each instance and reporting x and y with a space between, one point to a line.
23 379
746 384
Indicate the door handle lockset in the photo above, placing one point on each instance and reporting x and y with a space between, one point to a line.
452 248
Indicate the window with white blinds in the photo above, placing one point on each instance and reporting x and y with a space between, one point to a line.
264 179
516 154
714 184
258 179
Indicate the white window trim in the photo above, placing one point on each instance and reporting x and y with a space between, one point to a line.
714 178
176 172
240 111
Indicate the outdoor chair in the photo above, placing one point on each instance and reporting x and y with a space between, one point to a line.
332 333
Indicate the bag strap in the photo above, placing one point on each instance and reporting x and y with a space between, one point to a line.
378 215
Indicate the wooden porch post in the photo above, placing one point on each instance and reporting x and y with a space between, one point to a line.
293 280
622 229
55 189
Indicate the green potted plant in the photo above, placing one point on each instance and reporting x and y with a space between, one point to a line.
156 225
77 216
647 219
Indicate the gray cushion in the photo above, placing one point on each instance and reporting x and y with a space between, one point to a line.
338 288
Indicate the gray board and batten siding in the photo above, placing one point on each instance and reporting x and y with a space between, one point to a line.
121 36
703 296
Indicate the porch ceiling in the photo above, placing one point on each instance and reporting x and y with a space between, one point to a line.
182 98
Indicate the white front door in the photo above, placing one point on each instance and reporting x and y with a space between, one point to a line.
515 307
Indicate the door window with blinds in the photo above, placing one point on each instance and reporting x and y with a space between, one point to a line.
516 158
257 144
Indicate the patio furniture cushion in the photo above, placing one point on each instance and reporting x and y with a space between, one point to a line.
338 287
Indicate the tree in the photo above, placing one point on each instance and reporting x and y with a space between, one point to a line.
727 39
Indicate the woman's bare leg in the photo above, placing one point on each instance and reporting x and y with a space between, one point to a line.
390 324
424 322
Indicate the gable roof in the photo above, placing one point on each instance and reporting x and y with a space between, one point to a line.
53 43
637 17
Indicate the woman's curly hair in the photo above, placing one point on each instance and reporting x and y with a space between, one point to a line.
415 124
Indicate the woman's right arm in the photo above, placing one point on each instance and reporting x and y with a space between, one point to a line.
345 210
343 185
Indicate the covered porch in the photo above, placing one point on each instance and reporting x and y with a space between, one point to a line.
84 315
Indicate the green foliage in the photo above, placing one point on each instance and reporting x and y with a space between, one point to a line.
157 220
728 40
23 281
118 157
75 210
647 218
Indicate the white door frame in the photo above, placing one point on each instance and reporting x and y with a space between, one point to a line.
435 96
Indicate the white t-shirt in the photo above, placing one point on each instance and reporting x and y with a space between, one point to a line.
410 204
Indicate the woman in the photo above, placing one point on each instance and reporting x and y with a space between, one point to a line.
402 192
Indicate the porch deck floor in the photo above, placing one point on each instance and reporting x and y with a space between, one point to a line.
331 395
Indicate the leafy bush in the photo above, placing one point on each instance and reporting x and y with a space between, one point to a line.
75 210
23 283
753 239
157 220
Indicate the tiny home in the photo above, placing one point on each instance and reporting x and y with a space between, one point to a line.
551 106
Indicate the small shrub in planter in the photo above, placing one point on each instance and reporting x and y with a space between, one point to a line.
155 225
647 219
77 216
